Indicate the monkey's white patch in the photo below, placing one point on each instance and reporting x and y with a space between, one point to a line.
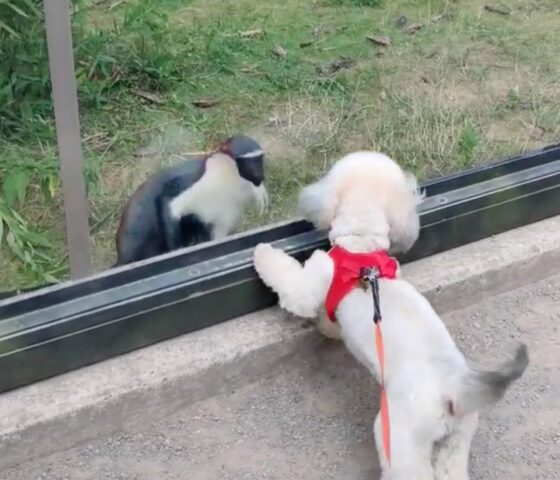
253 154
261 197
218 198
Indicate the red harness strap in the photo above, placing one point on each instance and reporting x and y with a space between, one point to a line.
347 271
348 268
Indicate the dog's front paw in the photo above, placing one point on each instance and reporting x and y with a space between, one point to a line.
261 257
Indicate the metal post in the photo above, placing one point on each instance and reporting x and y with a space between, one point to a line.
65 98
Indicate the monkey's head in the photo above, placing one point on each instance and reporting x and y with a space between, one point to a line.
248 156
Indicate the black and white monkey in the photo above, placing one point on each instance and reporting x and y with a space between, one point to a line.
196 201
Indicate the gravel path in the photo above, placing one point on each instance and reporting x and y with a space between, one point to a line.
311 419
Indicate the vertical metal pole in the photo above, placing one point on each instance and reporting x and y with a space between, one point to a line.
65 98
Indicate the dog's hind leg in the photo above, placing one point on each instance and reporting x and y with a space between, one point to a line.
410 459
452 455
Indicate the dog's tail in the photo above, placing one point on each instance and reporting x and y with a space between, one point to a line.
479 388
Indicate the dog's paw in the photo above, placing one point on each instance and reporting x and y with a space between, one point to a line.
261 256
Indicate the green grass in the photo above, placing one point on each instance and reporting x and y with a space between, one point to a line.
468 87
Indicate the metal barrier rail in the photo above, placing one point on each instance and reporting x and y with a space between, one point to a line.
63 327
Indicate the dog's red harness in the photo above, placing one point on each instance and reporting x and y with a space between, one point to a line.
350 269
348 273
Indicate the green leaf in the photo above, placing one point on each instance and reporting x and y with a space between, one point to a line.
50 278
18 218
22 191
1 230
18 10
14 247
36 239
53 185
15 187
31 5
49 186
42 256
11 31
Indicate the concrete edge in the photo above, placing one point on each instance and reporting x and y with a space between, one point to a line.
138 388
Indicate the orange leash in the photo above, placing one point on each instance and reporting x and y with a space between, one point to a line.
371 275
383 401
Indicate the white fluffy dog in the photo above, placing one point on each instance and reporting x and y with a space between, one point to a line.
369 204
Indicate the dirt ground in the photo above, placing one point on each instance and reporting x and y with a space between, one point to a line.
312 417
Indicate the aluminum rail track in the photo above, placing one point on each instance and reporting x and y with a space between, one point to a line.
63 327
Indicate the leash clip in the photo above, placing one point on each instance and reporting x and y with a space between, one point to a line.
371 276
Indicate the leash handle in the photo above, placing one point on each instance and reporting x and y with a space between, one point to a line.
371 275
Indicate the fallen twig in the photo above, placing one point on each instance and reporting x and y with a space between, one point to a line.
279 51
336 65
307 43
251 33
205 103
252 70
191 155
379 40
499 9
415 27
151 97
495 65
146 152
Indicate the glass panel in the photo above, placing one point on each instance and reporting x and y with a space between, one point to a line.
438 86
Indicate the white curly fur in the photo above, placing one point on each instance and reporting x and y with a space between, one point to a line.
368 203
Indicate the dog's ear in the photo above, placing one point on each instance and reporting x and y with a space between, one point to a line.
412 186
317 204
404 222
